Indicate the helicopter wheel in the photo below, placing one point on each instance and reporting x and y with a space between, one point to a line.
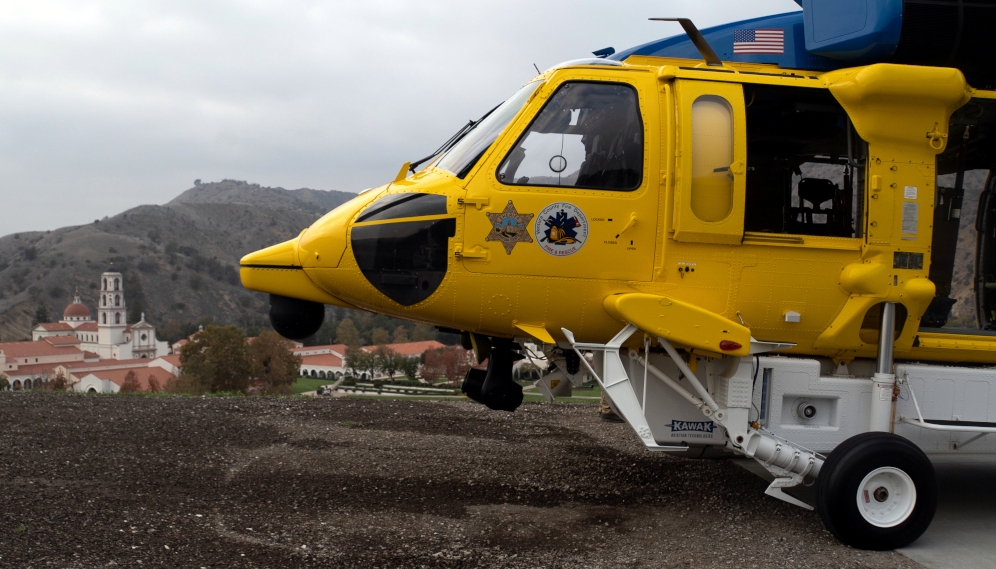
876 491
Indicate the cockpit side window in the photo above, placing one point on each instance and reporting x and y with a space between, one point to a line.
805 161
589 135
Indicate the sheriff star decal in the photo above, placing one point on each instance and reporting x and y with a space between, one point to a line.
509 227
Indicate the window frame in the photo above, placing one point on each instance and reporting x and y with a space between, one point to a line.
527 129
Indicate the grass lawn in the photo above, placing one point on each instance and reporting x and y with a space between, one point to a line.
408 398
531 395
309 384
579 395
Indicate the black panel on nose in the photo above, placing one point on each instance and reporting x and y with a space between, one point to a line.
406 260
396 206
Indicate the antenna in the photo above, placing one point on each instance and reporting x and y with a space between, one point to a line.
538 72
697 38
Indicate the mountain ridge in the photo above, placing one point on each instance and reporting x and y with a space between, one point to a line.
179 259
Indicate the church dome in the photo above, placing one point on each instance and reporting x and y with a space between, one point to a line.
77 310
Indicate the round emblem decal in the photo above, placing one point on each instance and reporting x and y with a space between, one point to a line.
561 229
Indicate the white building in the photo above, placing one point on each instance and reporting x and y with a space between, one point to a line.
324 362
110 336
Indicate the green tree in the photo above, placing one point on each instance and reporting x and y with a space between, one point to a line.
273 364
423 332
216 359
4 382
346 333
379 337
357 359
136 297
326 334
176 330
408 366
371 364
386 360
41 315
400 335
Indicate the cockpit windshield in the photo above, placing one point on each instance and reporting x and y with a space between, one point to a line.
462 157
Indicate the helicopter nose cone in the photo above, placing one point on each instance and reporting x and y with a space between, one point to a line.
279 255
286 269
322 244
277 270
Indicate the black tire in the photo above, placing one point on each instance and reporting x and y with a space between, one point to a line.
842 475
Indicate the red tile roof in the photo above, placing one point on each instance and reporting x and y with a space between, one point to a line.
76 309
35 349
62 340
107 364
330 360
33 370
410 348
337 348
87 327
55 327
143 374
173 359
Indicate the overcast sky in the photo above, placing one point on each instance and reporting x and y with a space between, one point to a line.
105 105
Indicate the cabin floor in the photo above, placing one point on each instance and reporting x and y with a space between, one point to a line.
137 481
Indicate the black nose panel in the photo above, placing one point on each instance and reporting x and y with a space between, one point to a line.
407 260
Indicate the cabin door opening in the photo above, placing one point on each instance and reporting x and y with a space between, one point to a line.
963 245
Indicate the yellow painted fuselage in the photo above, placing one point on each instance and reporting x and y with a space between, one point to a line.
682 244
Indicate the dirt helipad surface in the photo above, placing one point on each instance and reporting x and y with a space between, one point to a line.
125 481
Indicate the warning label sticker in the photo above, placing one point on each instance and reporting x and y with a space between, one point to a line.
911 212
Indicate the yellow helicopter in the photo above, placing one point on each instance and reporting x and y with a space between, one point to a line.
752 254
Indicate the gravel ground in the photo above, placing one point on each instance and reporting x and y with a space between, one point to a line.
99 481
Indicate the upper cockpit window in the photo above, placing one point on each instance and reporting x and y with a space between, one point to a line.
460 159
397 206
590 135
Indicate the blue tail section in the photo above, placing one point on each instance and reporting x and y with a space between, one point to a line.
831 34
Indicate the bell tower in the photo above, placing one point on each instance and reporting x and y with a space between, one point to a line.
111 309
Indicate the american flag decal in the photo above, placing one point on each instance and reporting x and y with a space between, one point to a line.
760 40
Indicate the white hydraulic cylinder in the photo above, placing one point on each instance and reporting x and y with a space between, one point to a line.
782 454
884 380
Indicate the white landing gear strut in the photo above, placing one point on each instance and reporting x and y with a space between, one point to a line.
789 463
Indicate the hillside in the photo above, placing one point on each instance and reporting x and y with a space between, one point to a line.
179 260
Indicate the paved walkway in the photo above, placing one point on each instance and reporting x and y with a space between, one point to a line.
963 533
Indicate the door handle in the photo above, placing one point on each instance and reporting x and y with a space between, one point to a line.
475 254
479 202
